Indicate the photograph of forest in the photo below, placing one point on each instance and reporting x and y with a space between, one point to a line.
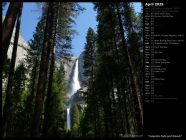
72 77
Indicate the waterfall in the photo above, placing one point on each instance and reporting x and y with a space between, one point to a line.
68 118
75 80
74 86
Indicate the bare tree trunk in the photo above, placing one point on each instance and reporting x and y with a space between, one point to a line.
8 26
6 110
136 89
52 65
36 125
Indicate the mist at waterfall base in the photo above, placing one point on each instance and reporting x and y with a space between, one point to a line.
74 86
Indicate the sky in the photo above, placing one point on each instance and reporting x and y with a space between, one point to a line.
86 19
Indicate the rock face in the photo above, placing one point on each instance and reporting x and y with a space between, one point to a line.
69 64
21 52
21 49
81 69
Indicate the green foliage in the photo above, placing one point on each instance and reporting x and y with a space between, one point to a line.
5 70
75 121
19 95
67 12
88 57
32 66
56 127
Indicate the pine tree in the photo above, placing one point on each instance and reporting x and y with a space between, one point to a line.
36 126
56 105
75 121
63 16
32 66
89 54
113 87
134 83
48 46
18 97
52 62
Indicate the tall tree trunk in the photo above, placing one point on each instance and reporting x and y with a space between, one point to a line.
52 65
7 106
8 26
136 89
30 100
42 74
122 109
34 76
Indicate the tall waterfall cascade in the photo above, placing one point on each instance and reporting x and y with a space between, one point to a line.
74 86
